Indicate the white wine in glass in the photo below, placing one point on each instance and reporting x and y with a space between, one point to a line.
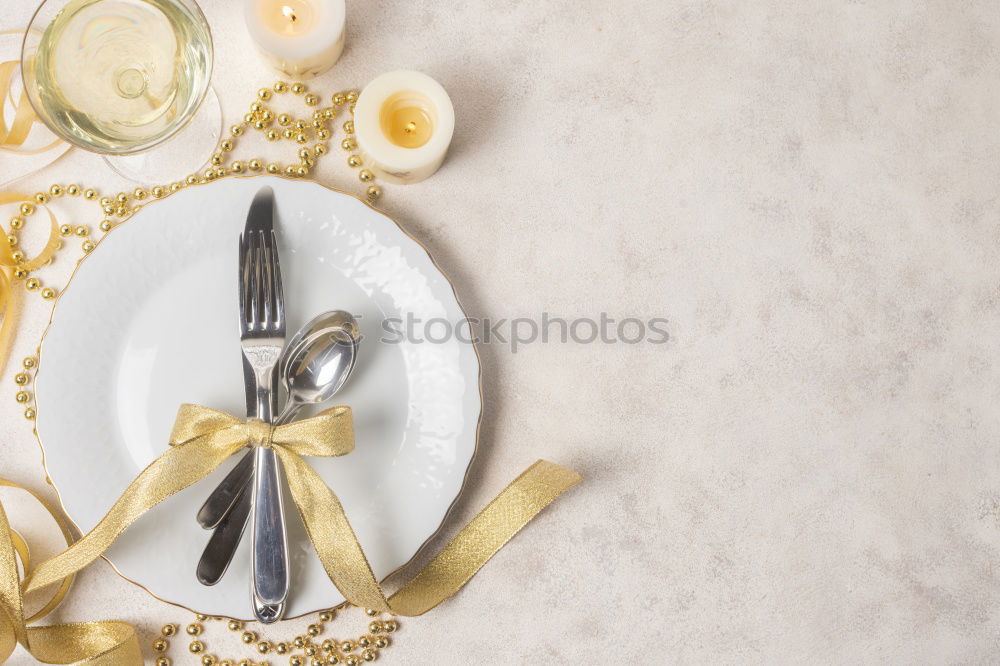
121 76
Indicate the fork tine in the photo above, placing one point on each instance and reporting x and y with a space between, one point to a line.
279 292
256 278
243 282
267 277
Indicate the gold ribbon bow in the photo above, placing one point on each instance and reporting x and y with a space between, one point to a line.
202 438
104 643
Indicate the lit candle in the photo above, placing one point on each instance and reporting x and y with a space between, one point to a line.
403 122
301 38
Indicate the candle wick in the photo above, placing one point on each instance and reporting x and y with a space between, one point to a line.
289 12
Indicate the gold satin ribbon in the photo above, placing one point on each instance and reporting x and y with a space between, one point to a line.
102 643
203 438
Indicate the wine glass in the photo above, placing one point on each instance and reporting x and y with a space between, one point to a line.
121 77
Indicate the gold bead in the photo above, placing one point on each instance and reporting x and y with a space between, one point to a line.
365 175
374 192
329 113
29 413
106 201
157 191
272 135
249 637
382 642
73 190
365 641
22 397
236 167
48 293
226 662
254 164
264 94
314 630
266 115
17 256
56 191
81 231
280 86
169 629
318 124
194 629
121 211
160 645
288 133
16 222
226 145
349 127
347 646
317 661
298 88
338 98
21 378
302 171
369 655
264 647
299 641
163 661
234 625
352 96
41 198
209 660
27 209
88 246
391 625
354 161
89 193
326 616
310 651
105 225
303 153
191 179
108 210
318 114
290 170
284 119
259 124
333 659
352 660
375 627
296 660
216 159
29 362
139 193
348 144
300 124
236 130
311 100
281 648
323 134
320 149
11 240
20 273
273 168
176 186
32 284
196 647
301 138
245 662
121 198
256 107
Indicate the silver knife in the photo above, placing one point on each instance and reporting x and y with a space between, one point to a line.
262 337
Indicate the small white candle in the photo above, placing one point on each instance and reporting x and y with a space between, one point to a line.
301 38
403 122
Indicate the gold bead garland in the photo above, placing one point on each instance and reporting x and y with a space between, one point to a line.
298 651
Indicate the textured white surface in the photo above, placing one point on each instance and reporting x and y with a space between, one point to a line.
808 192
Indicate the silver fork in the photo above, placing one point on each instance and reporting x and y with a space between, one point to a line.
262 336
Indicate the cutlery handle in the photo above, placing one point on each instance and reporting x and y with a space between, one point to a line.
270 565
225 538
225 496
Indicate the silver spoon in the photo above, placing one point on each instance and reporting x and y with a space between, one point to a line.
316 368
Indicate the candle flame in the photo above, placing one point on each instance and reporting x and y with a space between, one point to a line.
289 13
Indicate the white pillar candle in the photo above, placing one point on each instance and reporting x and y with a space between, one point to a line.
301 38
403 122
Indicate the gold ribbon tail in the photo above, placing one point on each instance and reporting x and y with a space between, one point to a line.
347 567
93 643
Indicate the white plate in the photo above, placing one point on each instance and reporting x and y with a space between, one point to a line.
149 322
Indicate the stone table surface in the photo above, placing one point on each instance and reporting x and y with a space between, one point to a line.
807 193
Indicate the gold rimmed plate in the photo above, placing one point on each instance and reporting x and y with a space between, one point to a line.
148 322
